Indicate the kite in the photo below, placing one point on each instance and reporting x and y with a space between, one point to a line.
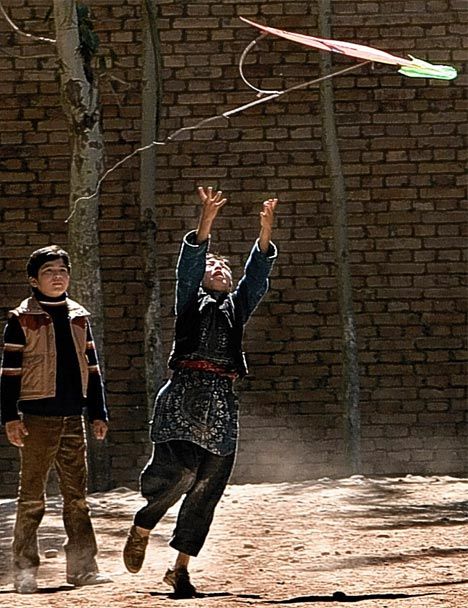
408 67
412 67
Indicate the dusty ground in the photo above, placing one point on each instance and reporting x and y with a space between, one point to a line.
386 543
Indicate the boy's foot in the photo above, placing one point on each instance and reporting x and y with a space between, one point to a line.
180 581
25 581
90 578
134 550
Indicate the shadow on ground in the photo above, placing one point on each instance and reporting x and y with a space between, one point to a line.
338 596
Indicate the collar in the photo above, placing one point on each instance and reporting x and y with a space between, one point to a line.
31 306
50 300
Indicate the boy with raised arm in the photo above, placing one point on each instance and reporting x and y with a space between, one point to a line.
194 428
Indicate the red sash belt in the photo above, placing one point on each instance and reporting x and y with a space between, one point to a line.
206 366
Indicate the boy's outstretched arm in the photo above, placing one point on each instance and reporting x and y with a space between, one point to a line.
254 282
211 204
267 216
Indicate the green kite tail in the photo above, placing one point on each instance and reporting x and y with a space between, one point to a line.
423 69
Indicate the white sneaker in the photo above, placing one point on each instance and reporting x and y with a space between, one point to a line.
25 581
90 578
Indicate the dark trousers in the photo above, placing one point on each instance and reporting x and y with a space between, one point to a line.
177 468
60 442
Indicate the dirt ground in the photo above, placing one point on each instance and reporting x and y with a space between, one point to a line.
386 543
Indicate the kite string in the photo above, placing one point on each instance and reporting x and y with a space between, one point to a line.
247 49
163 142
13 25
295 87
202 123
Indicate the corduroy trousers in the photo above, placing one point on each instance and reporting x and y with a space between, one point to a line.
60 442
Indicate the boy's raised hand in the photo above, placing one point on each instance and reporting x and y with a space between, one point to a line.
211 204
267 216
268 213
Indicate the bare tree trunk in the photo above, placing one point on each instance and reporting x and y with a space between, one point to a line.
79 96
151 112
350 364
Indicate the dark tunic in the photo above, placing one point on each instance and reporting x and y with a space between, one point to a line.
200 406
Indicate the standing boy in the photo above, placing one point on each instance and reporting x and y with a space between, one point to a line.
49 374
194 429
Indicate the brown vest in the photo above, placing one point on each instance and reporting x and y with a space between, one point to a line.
39 355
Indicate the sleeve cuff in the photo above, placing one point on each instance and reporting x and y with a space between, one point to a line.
272 252
190 240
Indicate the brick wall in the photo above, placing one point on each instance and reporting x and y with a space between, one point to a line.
402 150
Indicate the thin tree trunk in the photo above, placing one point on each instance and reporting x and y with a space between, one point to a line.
350 364
151 111
80 103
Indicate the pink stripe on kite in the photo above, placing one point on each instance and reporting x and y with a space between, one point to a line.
345 48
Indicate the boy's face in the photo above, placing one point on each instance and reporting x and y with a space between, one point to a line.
218 276
52 279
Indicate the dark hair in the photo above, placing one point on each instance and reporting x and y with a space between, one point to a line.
46 254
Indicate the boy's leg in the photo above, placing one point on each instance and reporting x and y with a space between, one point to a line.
195 517
37 457
168 475
197 510
81 547
179 579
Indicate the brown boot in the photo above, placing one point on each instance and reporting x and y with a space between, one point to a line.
134 550
179 579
